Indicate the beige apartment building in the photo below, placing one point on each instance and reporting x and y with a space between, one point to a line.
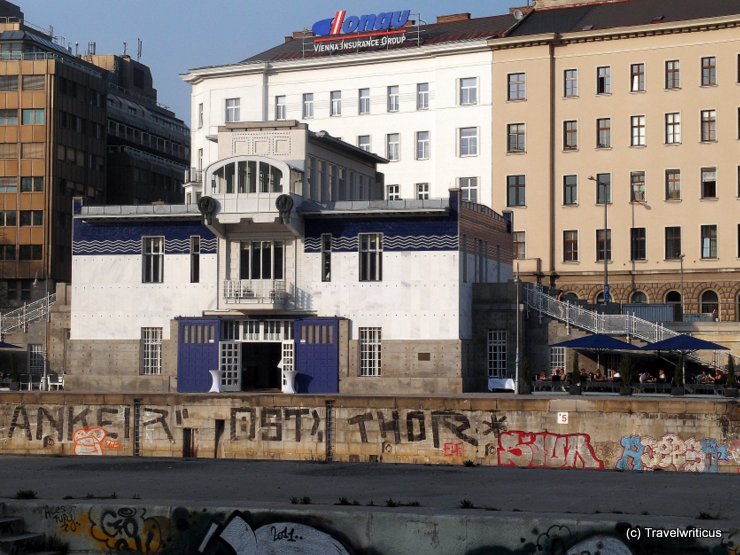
629 110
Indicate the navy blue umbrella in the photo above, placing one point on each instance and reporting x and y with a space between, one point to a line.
597 342
4 345
685 343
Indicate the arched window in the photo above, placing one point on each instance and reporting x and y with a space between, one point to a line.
673 297
600 297
710 303
570 297
638 297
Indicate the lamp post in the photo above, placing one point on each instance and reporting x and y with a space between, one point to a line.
607 296
680 259
45 376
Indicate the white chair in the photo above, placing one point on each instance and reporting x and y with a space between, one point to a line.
55 381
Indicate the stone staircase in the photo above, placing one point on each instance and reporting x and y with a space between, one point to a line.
15 540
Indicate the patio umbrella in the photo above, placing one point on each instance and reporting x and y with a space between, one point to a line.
4 345
597 342
684 344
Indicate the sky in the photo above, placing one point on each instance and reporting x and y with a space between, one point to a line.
178 35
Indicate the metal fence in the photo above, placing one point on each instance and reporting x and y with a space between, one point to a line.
21 317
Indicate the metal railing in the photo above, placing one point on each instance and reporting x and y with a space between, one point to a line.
21 317
255 291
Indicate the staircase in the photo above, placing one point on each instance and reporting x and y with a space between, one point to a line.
14 540
21 317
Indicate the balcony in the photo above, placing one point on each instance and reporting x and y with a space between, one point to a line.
271 293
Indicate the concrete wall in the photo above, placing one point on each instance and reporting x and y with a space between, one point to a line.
690 435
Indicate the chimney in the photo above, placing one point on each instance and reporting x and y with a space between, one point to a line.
453 17
297 35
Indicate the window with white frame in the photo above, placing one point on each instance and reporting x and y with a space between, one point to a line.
517 86
262 260
335 106
468 91
603 80
370 351
422 96
468 188
637 186
422 191
281 108
363 106
393 192
673 128
673 184
35 359
708 126
637 126
151 351
673 74
637 77
709 183
307 105
152 259
371 256
232 110
468 141
393 147
363 142
422 145
570 189
515 137
496 353
557 359
709 241
570 83
393 98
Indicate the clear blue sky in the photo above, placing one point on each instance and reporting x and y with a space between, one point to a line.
181 34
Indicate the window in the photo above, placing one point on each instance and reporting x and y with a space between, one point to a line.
8 151
7 252
151 351
232 110
280 108
570 245
422 145
200 115
638 244
557 356
363 142
672 184
496 353
31 217
637 77
326 257
35 359
673 74
515 134
603 133
517 89
422 96
36 151
194 259
708 126
468 91
29 252
370 351
709 302
570 189
371 257
468 141
570 78
603 188
672 243
152 264
393 147
468 188
335 106
8 82
8 117
363 101
32 116
32 184
637 187
8 218
515 187
393 192
603 247
637 125
603 80
307 105
262 260
709 183
709 241
422 191
570 135
8 184
393 99
708 71
673 128
520 244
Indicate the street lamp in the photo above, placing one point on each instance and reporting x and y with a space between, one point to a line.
45 376
680 259
607 296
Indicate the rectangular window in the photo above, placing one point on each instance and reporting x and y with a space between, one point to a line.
8 82
35 359
520 244
370 351
307 105
673 128
570 135
9 117
393 98
638 243
8 218
29 252
7 252
371 256
33 116
673 74
496 353
603 133
152 259
363 101
8 184
637 187
673 184
232 110
393 147
32 184
603 80
637 126
708 126
570 189
557 359
637 77
262 260
34 151
709 183
515 137
517 86
672 243
200 115
151 351
422 145
468 188
709 241
326 257
515 189
422 96
8 151
570 245
335 106
708 71
570 78
603 188
194 259
468 141
603 248
422 191
281 108
363 142
31 217
468 91
393 192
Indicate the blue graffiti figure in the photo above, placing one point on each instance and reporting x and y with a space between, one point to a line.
632 450
713 454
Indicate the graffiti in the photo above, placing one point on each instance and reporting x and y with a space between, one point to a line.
600 544
277 538
494 426
452 449
547 449
455 422
91 440
671 453
126 529
272 422
65 516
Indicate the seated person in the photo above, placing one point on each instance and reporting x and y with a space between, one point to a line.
661 376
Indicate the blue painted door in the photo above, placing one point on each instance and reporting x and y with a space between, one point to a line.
317 355
197 353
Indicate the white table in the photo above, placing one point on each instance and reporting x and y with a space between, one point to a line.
501 383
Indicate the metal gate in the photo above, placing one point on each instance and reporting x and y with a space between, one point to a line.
317 355
230 364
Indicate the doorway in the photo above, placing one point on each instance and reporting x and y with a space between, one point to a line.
260 366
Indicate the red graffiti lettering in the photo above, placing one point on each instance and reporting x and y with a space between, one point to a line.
450 449
545 449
